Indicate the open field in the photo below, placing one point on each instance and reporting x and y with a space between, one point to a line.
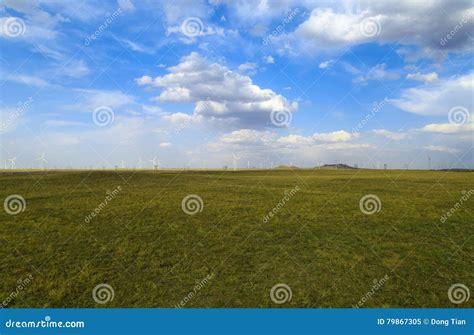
318 241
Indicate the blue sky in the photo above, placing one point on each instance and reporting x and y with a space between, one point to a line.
259 83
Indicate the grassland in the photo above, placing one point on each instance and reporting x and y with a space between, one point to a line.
319 242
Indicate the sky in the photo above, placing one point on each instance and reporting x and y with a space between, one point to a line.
207 84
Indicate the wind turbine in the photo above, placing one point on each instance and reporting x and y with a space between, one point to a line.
12 162
153 162
42 160
122 163
235 160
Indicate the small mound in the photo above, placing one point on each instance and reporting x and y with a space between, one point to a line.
337 167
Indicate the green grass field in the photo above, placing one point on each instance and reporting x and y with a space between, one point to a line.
318 242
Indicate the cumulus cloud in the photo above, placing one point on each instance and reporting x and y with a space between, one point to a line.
218 92
268 147
252 139
396 136
407 22
427 77
249 137
336 136
448 128
179 118
438 98
295 140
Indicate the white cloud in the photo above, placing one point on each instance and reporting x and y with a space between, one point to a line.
378 72
165 144
152 110
396 136
75 69
448 128
438 98
442 148
126 5
405 21
218 92
254 145
295 140
63 123
180 118
249 137
336 136
427 77
351 68
256 137
248 68
269 59
89 100
177 11
326 64
27 80
134 46
327 27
